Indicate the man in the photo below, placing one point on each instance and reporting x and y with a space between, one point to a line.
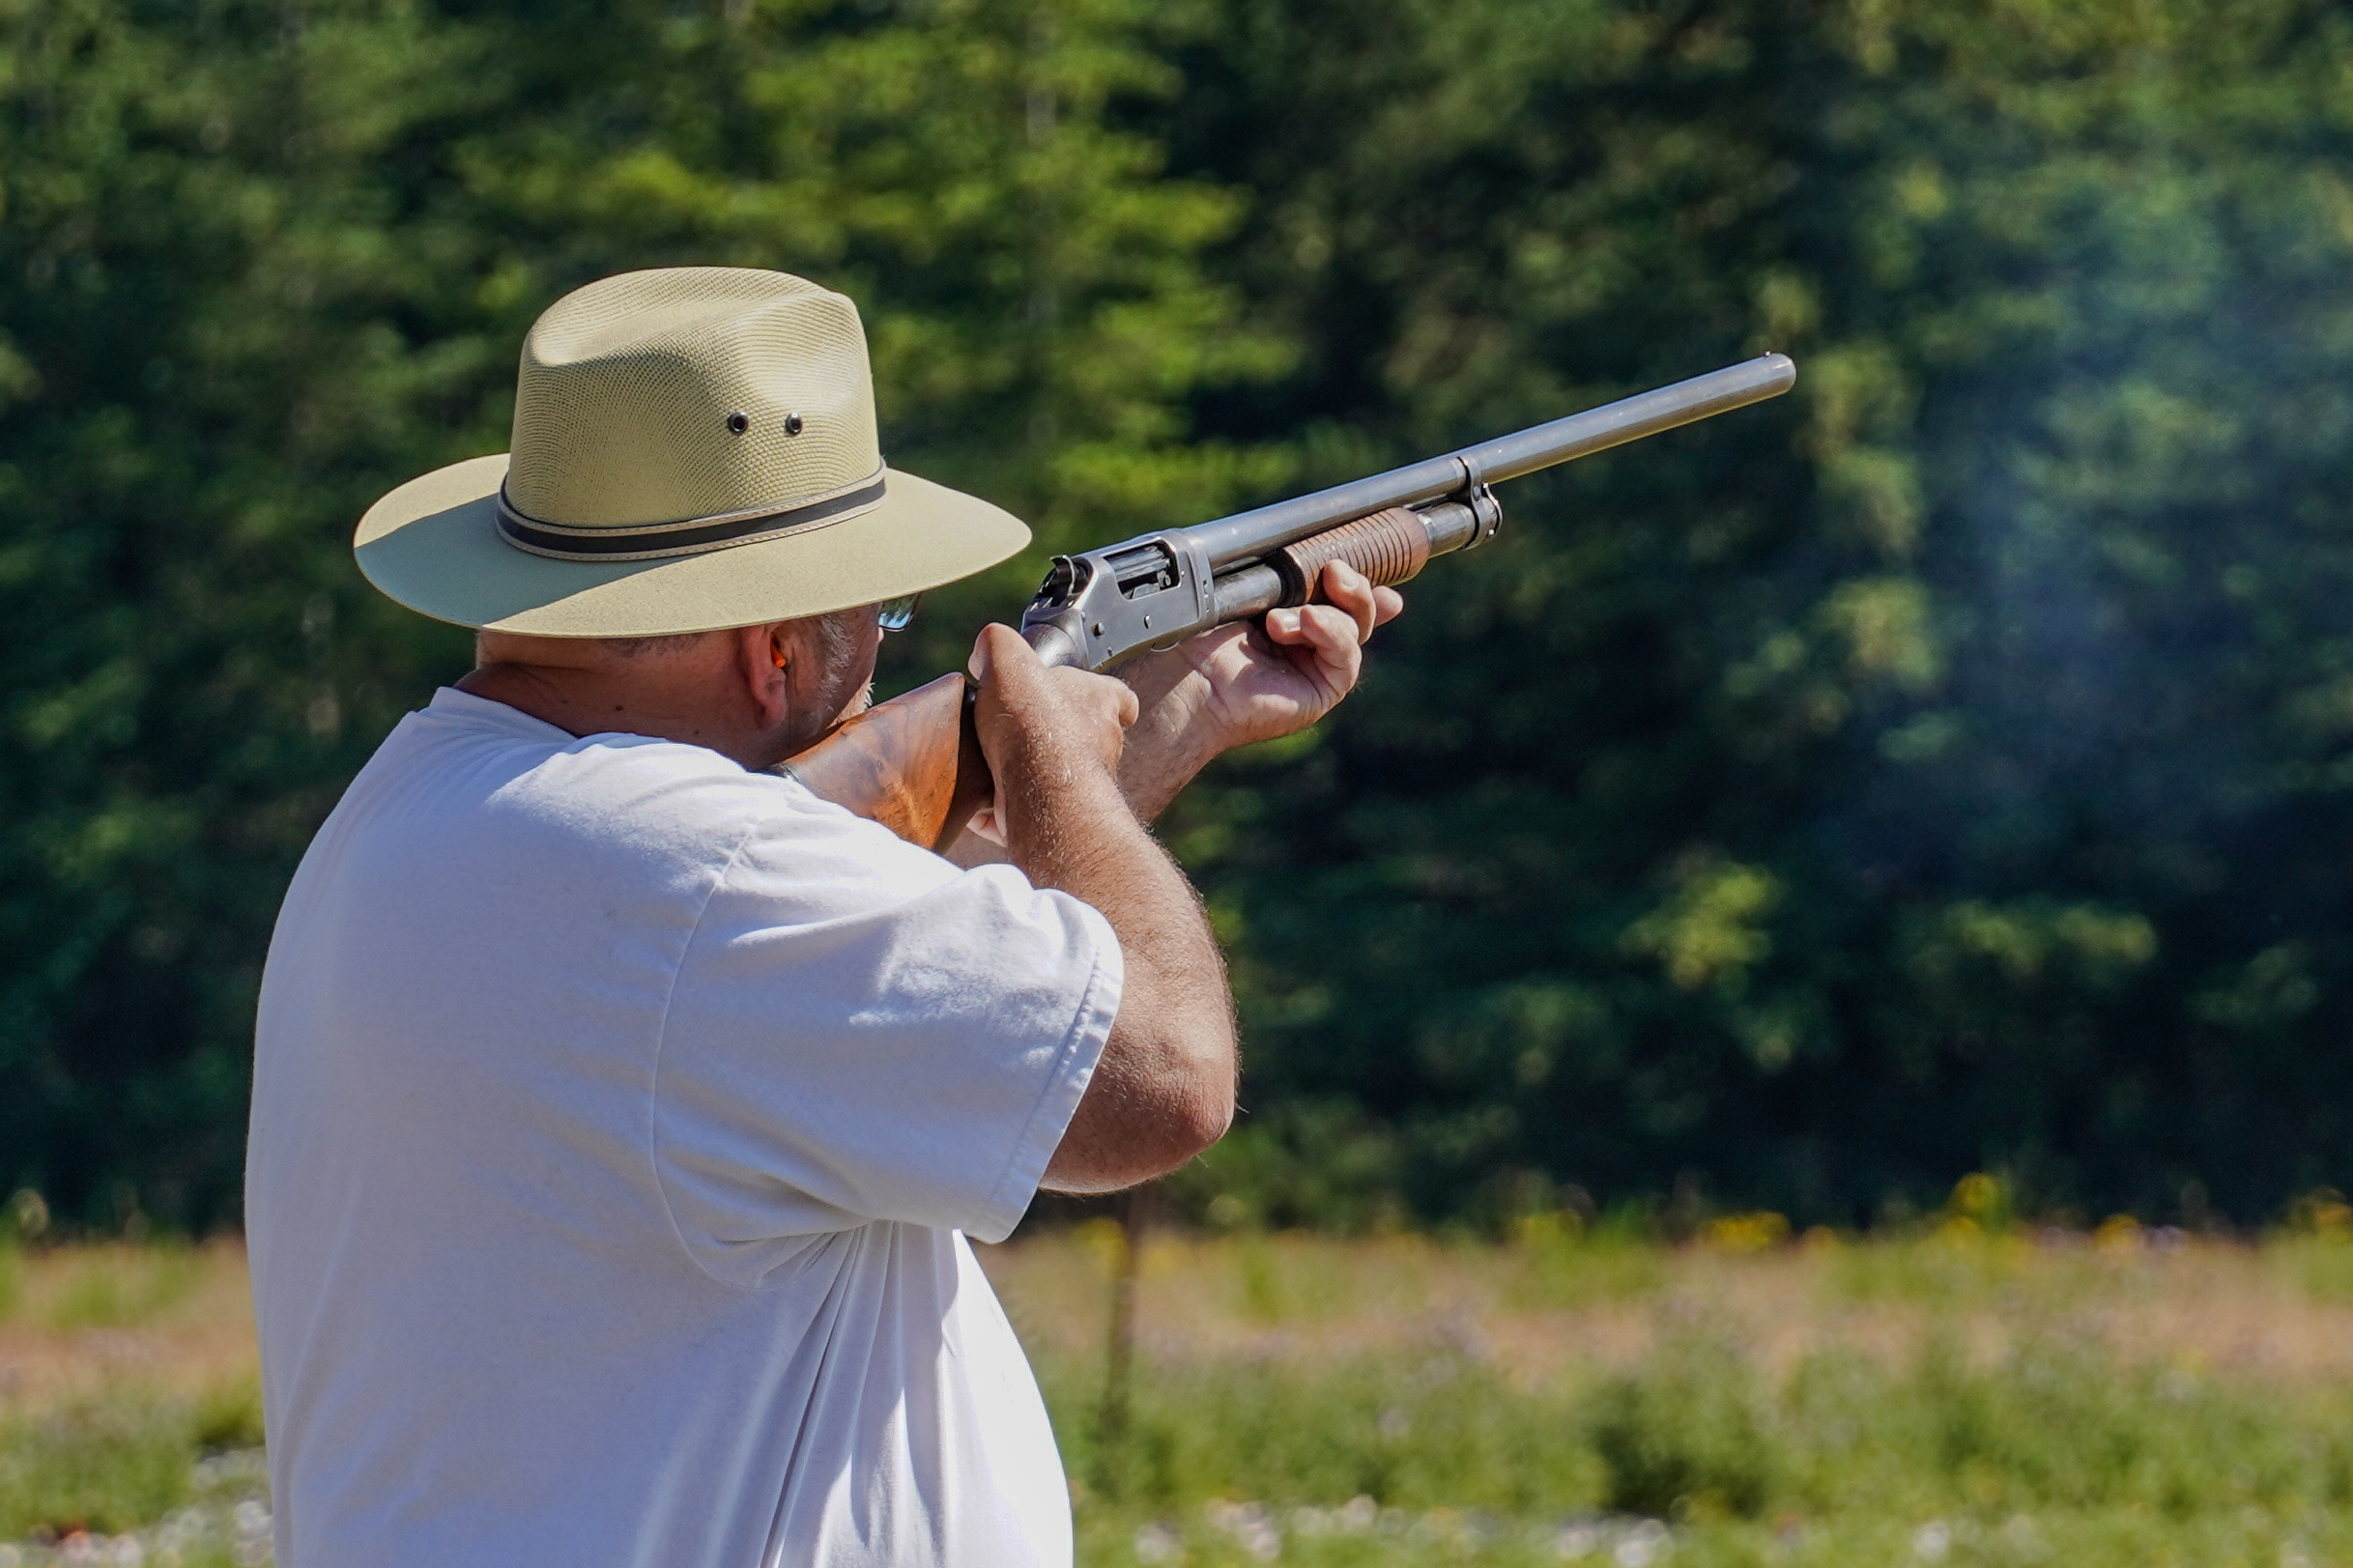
621 1108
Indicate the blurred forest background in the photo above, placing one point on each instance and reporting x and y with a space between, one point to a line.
1947 767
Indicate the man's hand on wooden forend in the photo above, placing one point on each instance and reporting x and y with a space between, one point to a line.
1241 683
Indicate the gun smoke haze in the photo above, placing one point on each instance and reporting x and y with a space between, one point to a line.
1945 772
2130 518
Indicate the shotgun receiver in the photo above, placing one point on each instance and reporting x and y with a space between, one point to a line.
912 764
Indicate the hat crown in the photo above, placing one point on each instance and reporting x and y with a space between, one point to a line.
691 392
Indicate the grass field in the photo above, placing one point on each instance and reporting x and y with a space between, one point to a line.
1951 1397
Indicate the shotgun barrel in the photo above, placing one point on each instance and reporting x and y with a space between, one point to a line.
1100 606
914 763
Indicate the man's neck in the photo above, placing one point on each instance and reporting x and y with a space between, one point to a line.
754 694
592 702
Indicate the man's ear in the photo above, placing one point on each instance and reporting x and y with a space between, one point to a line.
765 654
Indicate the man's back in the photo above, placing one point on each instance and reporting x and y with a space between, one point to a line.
641 1099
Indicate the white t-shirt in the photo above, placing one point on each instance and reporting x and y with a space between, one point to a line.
618 1115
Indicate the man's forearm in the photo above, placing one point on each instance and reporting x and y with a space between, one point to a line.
1165 746
1086 841
1163 1086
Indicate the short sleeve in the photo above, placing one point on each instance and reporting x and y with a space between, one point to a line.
860 1031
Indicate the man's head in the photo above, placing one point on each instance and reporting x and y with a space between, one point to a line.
757 694
693 449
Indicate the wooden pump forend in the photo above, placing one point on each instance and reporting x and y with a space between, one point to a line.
919 771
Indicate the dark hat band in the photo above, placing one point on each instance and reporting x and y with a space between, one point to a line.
691 537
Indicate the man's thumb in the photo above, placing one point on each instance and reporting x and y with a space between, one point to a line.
1001 651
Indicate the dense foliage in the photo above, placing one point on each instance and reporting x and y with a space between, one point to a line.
1944 768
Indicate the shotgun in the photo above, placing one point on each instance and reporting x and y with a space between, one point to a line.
913 763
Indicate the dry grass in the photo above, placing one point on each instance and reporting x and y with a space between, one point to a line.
81 1322
77 1321
1549 1306
2191 1399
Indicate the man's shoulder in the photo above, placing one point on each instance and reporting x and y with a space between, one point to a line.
472 803
468 764
461 730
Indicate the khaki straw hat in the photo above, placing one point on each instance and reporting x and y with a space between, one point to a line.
693 448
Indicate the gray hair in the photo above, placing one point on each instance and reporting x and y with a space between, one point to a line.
650 648
837 639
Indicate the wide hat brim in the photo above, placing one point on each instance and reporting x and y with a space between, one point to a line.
434 546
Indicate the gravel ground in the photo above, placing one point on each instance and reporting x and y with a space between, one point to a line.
226 1526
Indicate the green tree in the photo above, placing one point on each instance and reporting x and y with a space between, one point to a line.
1935 770
266 261
1945 767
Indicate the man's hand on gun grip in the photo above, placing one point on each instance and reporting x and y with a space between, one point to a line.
1057 731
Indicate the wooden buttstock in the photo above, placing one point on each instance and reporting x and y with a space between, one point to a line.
912 764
